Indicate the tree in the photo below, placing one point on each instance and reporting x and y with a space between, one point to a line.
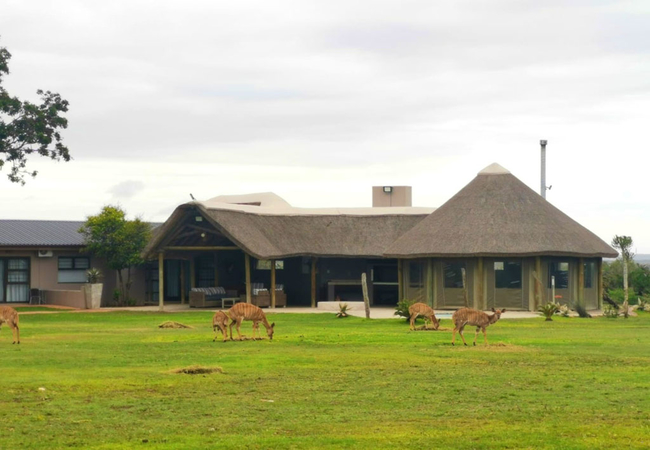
27 128
119 241
624 244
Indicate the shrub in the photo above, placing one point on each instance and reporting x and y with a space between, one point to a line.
563 310
93 275
343 310
402 308
618 295
610 312
582 311
548 310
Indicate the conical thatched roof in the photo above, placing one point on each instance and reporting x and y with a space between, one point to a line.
498 215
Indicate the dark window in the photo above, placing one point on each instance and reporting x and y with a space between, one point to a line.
559 270
454 274
72 269
416 274
507 274
205 271
590 274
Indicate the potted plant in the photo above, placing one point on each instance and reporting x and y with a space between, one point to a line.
93 289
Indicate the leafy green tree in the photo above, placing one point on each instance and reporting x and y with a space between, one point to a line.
27 128
624 244
119 241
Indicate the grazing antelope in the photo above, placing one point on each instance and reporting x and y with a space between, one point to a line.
421 309
9 316
220 320
246 311
472 317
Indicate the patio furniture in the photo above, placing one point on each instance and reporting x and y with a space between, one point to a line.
35 297
207 297
261 296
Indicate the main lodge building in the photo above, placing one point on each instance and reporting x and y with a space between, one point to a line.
496 243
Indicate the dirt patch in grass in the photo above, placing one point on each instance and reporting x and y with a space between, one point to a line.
198 370
429 328
172 324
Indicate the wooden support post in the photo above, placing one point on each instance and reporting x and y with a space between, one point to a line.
601 289
161 281
465 292
247 260
429 283
539 286
216 271
434 283
192 273
400 281
182 282
313 282
581 282
364 289
273 283
480 299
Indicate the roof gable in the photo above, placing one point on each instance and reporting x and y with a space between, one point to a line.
497 214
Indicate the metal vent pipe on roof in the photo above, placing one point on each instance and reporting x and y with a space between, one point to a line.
542 189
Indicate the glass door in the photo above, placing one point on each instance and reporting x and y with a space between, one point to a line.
508 285
17 276
3 276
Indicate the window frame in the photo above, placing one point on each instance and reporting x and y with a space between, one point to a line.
72 269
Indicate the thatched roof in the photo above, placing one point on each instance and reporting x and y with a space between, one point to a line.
498 215
283 231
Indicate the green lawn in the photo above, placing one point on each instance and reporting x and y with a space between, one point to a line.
323 382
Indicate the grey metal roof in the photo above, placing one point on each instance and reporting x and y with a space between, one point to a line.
40 233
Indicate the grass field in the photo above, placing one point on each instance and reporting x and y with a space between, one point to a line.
323 382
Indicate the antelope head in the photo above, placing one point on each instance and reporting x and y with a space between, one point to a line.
269 331
497 313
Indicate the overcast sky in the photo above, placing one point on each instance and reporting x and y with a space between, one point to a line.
319 100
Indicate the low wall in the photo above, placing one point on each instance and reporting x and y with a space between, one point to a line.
74 299
334 306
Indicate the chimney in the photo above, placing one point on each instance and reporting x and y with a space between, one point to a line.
383 196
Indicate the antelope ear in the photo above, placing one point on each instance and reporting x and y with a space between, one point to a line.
273 325
493 310
503 310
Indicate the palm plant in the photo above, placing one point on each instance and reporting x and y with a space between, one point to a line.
343 310
93 275
548 310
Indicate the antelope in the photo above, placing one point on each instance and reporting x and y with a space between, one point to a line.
421 309
472 317
246 311
220 320
9 316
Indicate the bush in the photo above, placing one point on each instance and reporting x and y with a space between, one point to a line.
402 308
610 312
563 310
343 310
582 311
548 310
93 275
618 295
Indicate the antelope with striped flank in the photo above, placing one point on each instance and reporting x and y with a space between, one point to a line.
247 311
220 320
9 316
474 318
421 309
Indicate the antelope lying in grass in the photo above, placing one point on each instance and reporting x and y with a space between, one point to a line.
220 319
472 317
246 311
421 309
9 316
